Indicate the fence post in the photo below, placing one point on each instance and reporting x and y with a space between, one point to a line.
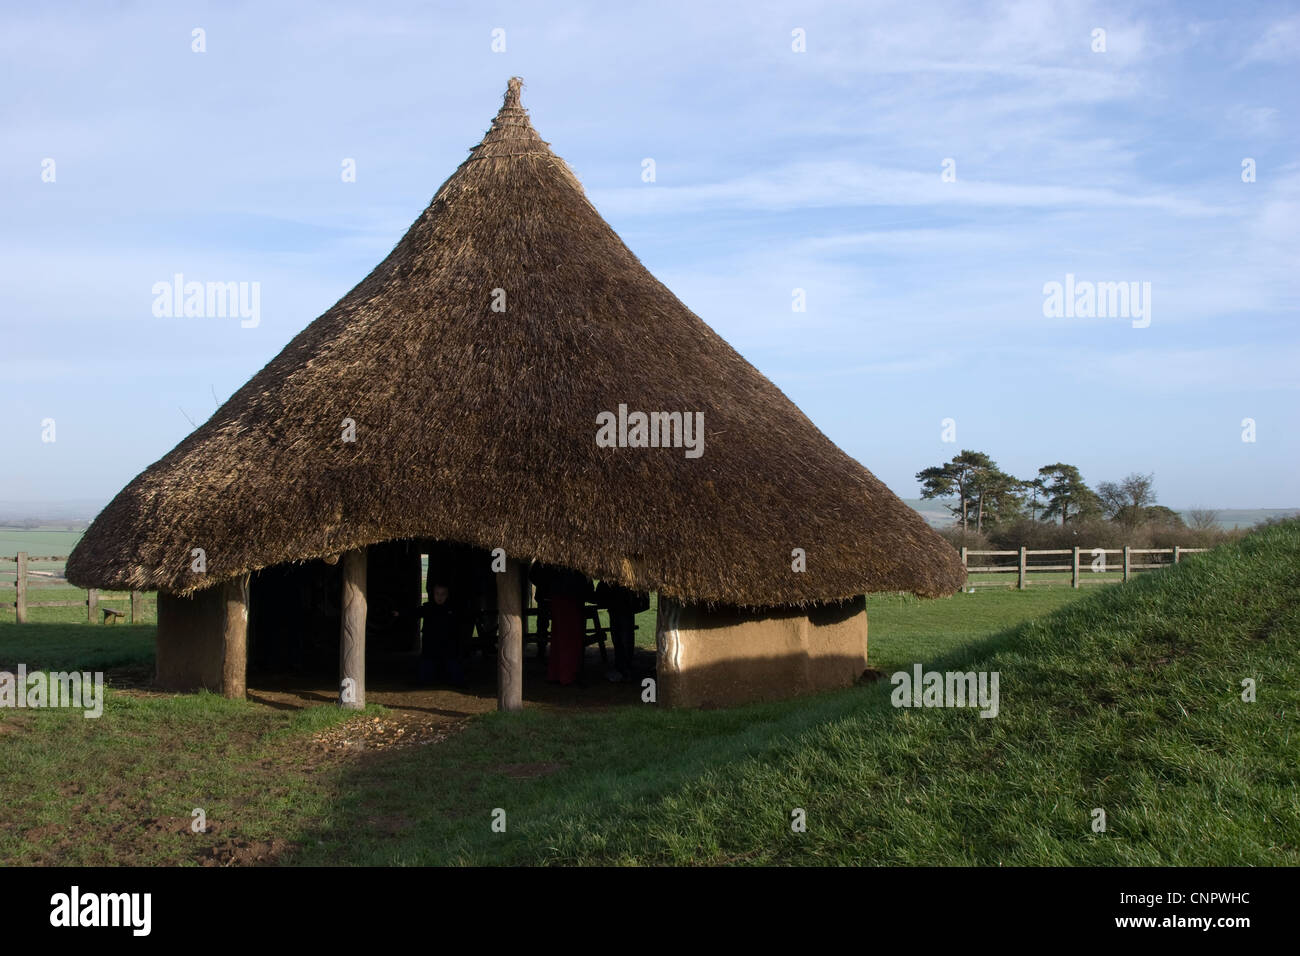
1126 564
20 602
963 556
1074 573
1022 568
92 605
135 607
1176 555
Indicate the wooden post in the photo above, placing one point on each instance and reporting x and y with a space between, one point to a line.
1022 568
963 556
20 605
1176 555
1127 570
510 637
234 638
1074 573
137 607
352 632
92 605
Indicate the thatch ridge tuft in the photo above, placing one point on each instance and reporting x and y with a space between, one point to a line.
479 426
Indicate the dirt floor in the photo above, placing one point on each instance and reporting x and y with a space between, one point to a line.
426 714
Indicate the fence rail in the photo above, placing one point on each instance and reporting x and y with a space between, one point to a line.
1022 567
94 602
46 579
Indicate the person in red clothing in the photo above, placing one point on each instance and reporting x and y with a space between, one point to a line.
569 591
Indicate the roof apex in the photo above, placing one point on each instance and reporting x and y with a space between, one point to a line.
513 87
512 133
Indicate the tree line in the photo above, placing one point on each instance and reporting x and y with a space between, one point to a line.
986 497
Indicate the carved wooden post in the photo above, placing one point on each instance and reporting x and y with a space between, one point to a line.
234 638
352 632
510 637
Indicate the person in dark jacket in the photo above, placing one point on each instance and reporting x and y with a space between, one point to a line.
623 605
440 639
539 575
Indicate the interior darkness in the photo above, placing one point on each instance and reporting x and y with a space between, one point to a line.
293 623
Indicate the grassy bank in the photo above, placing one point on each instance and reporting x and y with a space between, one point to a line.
1128 700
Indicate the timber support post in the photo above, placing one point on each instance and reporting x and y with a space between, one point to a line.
234 637
1127 564
510 637
20 601
1074 570
352 632
1023 568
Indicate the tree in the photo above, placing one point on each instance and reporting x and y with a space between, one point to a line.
1112 499
1128 502
1162 517
958 477
939 481
1203 519
1032 489
1067 494
998 496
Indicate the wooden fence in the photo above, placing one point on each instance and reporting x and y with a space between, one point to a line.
135 601
1023 568
28 581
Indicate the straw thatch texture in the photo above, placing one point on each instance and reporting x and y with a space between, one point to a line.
479 426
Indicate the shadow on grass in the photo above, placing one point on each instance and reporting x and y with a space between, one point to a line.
50 646
437 804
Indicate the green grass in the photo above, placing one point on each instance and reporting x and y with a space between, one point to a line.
38 541
121 789
68 646
1121 698
117 600
902 629
1052 579
1127 700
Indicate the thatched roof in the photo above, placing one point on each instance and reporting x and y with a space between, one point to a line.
479 426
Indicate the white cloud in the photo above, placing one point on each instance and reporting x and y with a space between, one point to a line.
1280 42
842 183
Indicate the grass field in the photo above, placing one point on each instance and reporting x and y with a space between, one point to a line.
42 541
1124 698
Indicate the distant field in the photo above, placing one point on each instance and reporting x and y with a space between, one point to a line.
40 541
938 516
1248 517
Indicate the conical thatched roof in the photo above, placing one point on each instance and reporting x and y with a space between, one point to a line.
479 426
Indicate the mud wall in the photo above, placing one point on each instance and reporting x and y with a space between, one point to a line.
725 656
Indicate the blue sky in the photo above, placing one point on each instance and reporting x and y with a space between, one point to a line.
775 170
